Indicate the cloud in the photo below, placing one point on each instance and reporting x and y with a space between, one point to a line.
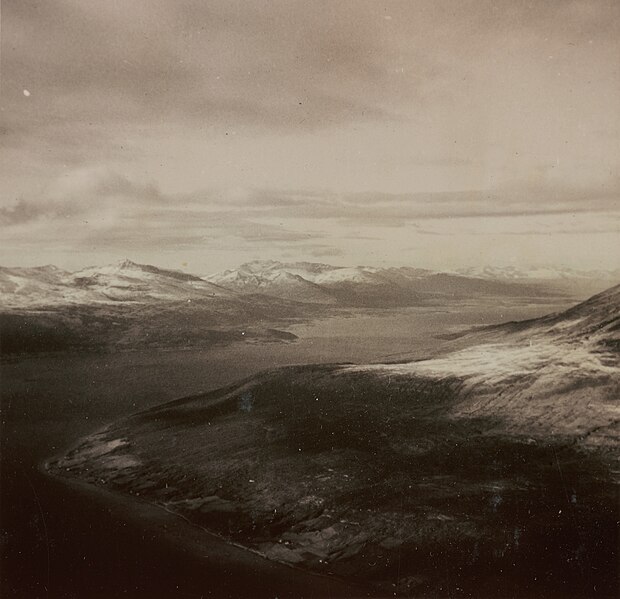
272 216
83 193
219 62
97 211
444 105
381 209
265 233
158 83
322 251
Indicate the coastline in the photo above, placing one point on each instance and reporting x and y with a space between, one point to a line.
246 572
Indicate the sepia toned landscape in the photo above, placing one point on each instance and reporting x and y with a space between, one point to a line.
415 447
310 299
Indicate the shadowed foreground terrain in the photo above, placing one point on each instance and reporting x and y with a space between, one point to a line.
488 471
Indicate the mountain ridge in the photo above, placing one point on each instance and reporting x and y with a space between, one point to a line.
408 285
303 282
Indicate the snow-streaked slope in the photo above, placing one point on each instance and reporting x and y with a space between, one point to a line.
127 281
361 285
319 273
306 282
554 375
44 285
291 286
285 281
124 281
305 269
315 283
353 275
595 322
494 363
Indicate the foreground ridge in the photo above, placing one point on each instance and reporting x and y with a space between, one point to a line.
500 457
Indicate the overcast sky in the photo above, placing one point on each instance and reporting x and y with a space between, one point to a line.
199 134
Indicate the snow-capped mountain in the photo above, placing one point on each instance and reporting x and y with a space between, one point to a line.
359 285
128 305
300 282
286 281
319 273
128 281
123 281
316 282
41 285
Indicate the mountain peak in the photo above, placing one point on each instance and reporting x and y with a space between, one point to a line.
126 263
265 266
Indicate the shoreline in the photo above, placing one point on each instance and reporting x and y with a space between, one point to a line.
274 578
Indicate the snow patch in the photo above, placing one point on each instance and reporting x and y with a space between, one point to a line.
495 362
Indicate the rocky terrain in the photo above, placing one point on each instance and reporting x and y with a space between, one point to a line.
490 470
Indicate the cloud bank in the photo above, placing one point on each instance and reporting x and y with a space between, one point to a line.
356 128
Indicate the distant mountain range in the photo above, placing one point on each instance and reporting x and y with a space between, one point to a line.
512 273
373 286
129 305
304 282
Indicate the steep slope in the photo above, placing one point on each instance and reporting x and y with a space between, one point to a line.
492 469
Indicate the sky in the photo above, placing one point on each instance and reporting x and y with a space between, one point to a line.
199 134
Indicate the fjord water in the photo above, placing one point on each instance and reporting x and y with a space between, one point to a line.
68 541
